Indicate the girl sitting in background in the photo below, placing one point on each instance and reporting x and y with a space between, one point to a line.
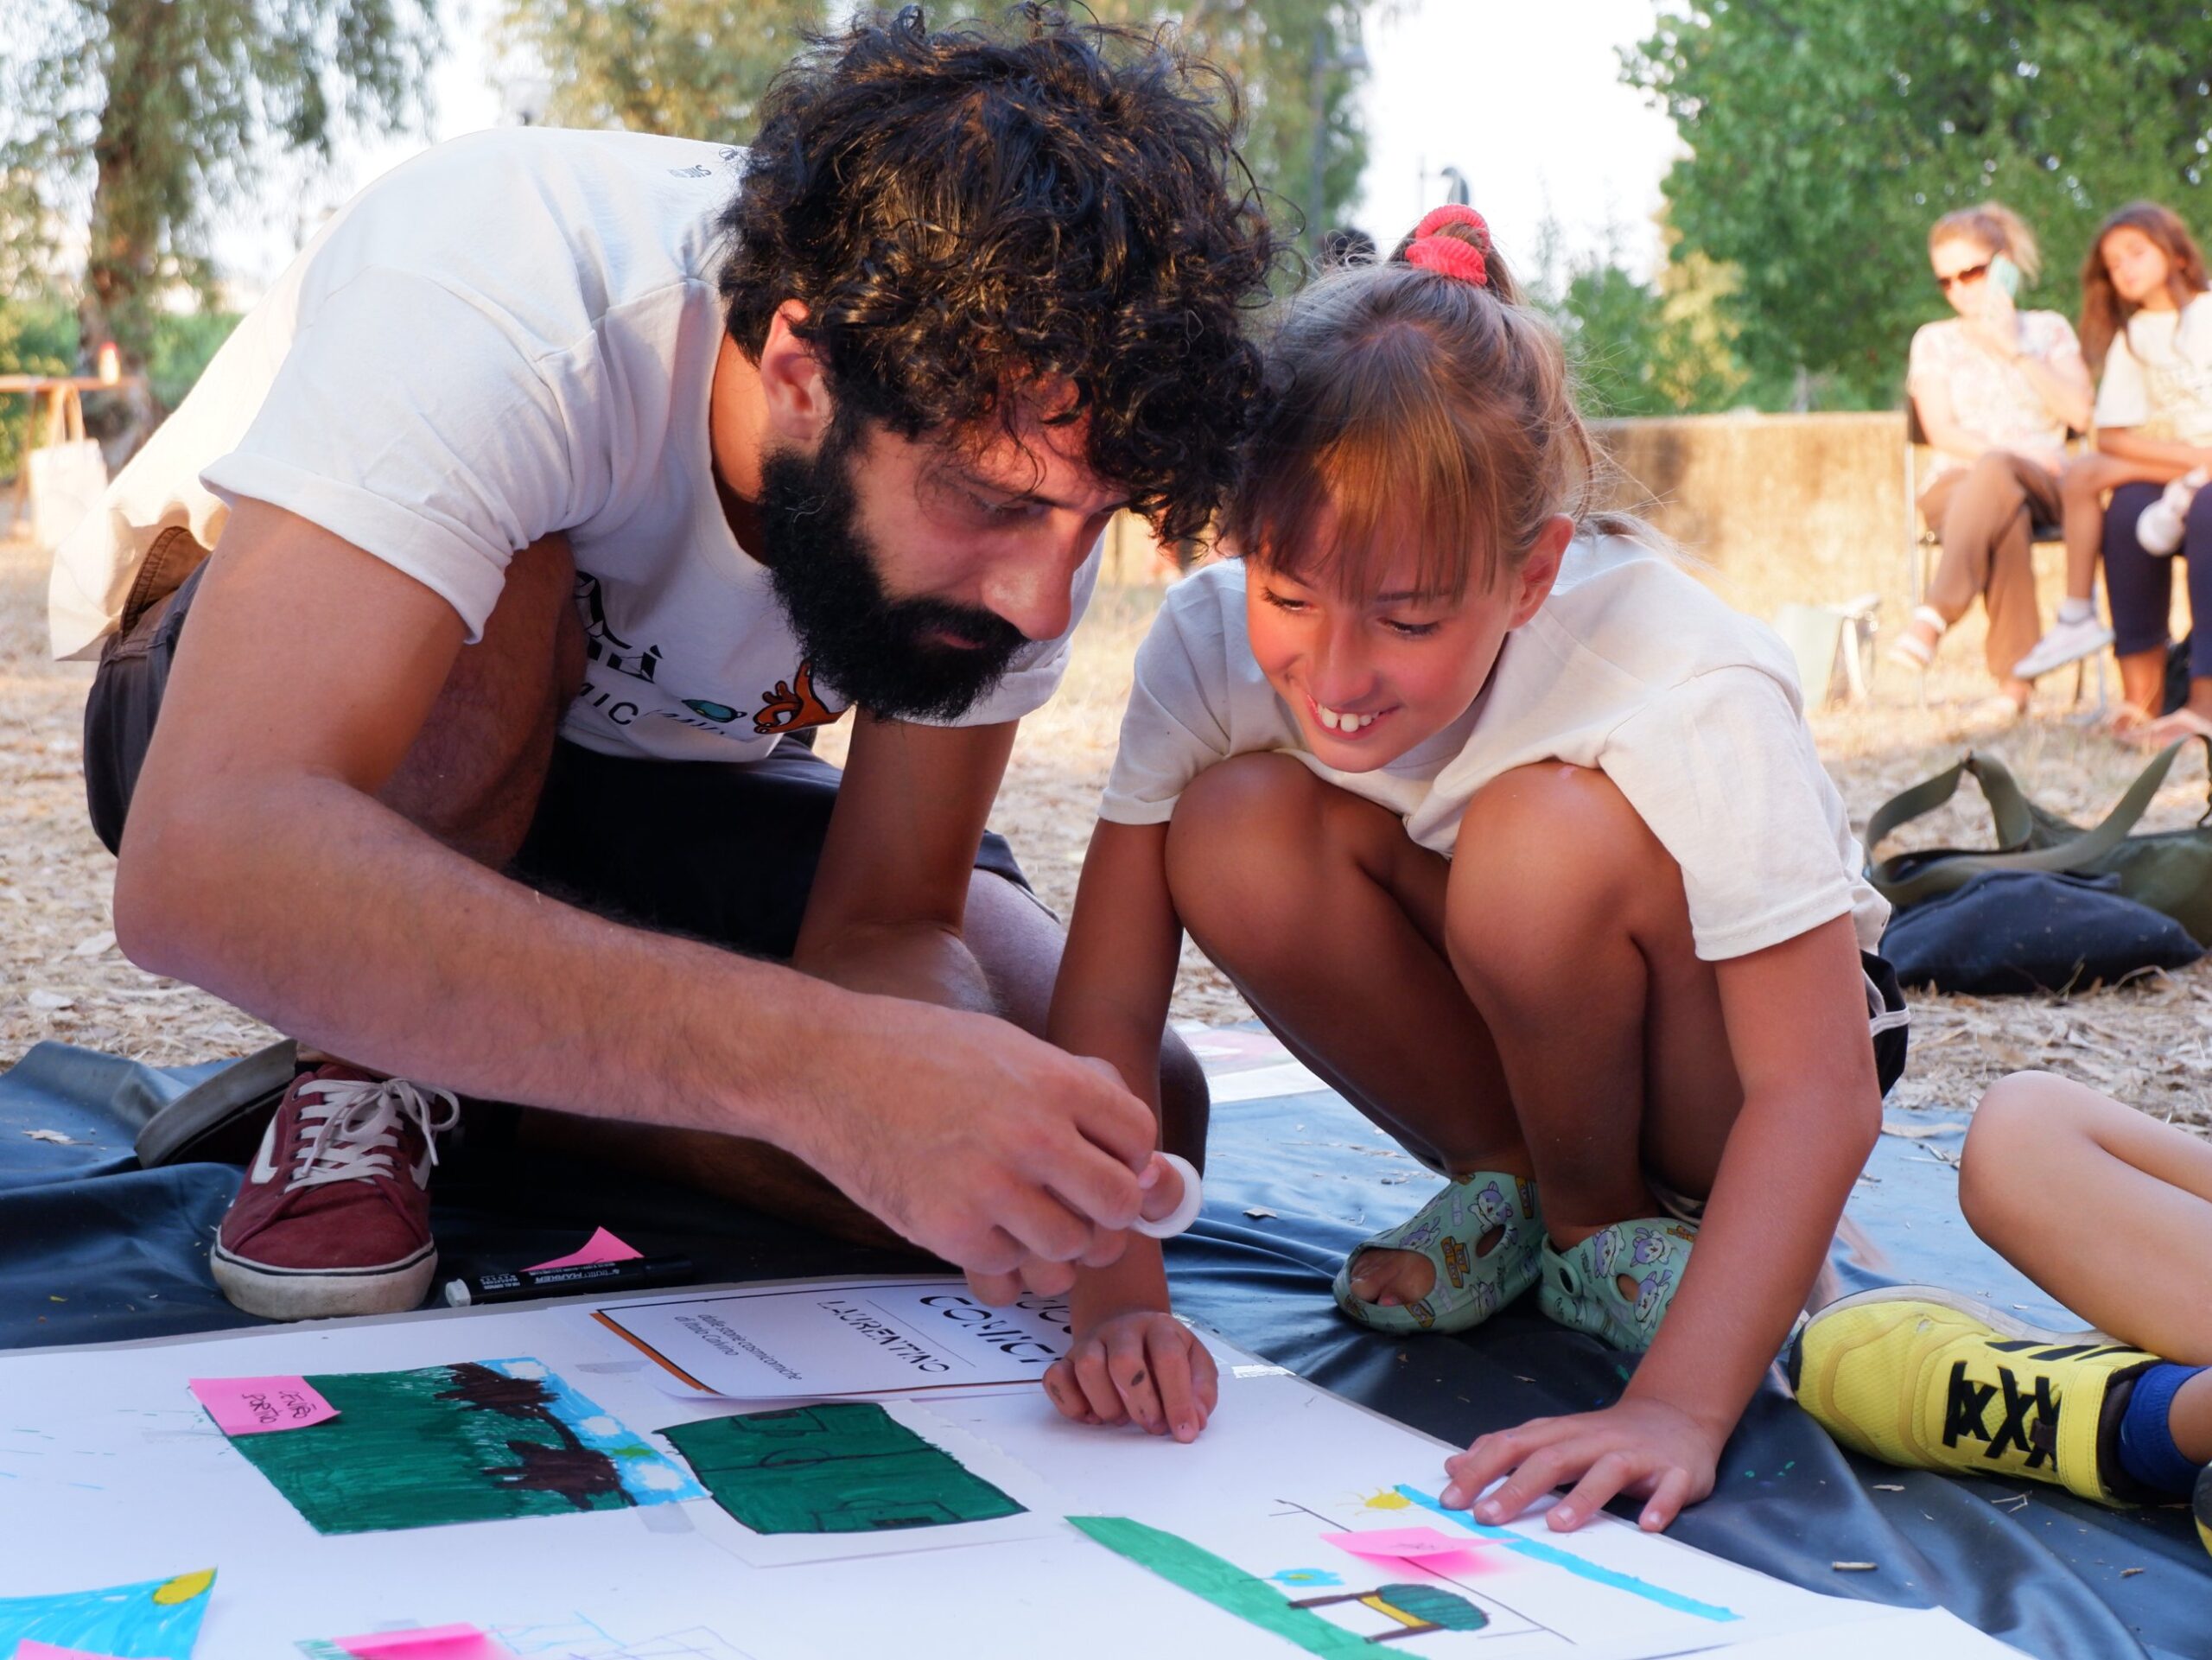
1996 388
1516 835
2148 320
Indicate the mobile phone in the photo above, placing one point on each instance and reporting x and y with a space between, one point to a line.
2007 275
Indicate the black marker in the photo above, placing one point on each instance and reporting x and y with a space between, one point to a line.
511 1285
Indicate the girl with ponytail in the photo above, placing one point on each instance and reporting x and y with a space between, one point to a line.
1516 835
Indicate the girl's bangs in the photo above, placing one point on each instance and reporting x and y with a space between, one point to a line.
1343 517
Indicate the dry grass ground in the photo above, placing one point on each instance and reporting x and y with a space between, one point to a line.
61 977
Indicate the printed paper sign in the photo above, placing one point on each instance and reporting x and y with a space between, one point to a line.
254 1406
846 1339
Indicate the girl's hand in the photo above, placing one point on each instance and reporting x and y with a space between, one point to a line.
1645 1448
1143 1366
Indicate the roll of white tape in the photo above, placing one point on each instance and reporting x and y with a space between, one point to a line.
1181 1218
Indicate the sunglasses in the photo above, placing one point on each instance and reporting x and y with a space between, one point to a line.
1971 274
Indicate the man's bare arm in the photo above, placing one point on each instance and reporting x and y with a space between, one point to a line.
891 893
257 863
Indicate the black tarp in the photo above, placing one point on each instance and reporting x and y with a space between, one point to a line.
93 1249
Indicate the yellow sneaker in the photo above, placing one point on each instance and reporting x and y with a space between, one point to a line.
1919 1376
2204 1506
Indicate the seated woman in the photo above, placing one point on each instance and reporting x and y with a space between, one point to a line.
1997 388
2146 316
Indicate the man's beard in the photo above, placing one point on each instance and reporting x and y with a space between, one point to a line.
873 649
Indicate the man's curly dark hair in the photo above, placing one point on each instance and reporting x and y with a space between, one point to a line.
968 212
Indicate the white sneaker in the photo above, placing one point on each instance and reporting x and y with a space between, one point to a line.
2158 528
2067 642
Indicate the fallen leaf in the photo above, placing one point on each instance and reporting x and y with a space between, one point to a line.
53 1135
1259 1209
49 1000
93 945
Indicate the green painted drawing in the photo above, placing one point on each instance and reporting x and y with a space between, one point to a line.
845 1468
1223 1584
478 1441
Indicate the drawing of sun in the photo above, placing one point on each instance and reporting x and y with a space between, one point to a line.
1389 1499
1306 1576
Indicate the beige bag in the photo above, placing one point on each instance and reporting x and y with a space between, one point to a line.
67 474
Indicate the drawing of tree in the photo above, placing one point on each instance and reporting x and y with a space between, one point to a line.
1419 1609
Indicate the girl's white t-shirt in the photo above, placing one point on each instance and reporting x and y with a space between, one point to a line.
2158 374
512 334
1631 667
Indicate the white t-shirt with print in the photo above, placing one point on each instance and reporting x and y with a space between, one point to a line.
512 334
2158 374
1992 398
1631 667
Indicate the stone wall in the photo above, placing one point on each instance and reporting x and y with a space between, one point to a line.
1809 507
1780 508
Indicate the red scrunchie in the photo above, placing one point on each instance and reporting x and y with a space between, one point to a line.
1448 256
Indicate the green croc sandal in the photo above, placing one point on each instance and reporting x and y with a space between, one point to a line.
1582 1287
1471 1286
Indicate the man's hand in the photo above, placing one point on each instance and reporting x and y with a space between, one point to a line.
1141 1366
1641 1447
992 1148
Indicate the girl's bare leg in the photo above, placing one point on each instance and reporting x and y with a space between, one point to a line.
2106 1210
1569 926
2082 486
1330 923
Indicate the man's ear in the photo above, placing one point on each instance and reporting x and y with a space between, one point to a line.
793 387
1533 581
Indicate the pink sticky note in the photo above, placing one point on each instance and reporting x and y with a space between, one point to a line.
251 1406
31 1648
1407 1544
426 1642
601 1247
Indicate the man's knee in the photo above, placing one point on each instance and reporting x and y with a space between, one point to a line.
1552 861
473 776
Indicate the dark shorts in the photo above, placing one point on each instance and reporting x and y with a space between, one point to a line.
1890 1038
716 850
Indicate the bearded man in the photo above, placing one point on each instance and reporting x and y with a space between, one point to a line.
462 636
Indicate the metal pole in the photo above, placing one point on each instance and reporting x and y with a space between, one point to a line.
1316 229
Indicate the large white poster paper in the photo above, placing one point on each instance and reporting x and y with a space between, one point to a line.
123 1478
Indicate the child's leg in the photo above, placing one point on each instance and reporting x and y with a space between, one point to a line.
2140 590
2081 487
1569 924
1331 922
2197 550
2108 1211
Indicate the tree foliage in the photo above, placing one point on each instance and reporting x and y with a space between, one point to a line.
1825 136
142 120
698 68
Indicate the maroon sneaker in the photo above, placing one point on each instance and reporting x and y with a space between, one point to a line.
333 1217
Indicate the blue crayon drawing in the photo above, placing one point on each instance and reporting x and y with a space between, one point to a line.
1553 1557
158 1620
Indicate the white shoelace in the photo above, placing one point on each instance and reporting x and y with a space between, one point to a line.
351 1131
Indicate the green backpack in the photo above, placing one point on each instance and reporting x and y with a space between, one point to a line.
2170 871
